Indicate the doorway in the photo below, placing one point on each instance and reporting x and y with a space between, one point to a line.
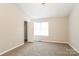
25 30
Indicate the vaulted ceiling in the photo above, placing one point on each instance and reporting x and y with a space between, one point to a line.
38 10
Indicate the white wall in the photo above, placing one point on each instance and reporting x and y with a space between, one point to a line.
11 27
58 30
74 28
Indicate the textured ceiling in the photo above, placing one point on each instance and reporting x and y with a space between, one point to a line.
37 10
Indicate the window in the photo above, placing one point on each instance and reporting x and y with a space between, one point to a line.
41 28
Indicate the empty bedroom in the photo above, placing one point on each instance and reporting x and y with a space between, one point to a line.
39 29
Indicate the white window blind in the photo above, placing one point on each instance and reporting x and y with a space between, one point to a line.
41 28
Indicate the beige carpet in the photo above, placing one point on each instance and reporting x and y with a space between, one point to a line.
42 49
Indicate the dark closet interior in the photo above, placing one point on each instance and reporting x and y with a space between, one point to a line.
25 30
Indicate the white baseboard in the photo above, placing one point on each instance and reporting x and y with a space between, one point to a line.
73 47
11 49
60 42
50 41
57 42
